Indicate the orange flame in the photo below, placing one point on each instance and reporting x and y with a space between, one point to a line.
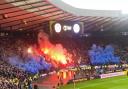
55 52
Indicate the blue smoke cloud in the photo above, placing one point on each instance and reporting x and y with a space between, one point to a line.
100 56
31 64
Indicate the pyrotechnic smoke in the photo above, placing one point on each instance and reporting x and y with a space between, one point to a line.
56 52
31 64
101 56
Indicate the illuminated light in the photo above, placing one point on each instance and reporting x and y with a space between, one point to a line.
46 51
58 73
30 50
25 22
57 27
120 5
5 16
65 28
64 75
20 29
76 28
64 62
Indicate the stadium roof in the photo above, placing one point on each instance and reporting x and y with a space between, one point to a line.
32 14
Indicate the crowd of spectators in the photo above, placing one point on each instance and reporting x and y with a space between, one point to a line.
12 77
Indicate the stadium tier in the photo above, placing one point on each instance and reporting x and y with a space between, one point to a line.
63 44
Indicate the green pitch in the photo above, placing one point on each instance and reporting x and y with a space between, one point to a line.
120 82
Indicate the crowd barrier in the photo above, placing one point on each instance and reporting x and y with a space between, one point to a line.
113 74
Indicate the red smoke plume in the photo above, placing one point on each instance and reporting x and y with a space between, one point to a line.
56 53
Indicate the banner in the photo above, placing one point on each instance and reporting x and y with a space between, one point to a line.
112 74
